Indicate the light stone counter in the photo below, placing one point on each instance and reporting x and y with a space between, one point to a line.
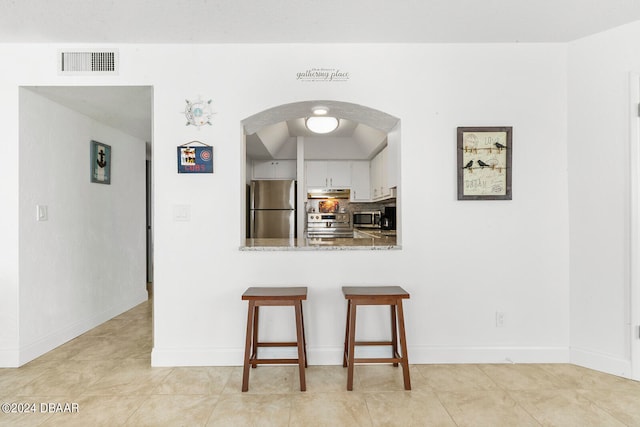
320 244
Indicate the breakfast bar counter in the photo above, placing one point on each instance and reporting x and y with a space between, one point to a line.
360 242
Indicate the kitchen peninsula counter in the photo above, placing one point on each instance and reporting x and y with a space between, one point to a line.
362 242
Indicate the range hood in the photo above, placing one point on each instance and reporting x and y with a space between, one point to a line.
329 193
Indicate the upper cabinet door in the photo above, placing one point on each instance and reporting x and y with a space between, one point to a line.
285 169
379 175
263 170
360 181
274 169
328 173
339 174
316 174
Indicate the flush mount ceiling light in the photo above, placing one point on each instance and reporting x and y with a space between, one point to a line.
321 124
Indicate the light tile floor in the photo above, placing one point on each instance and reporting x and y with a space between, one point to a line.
107 373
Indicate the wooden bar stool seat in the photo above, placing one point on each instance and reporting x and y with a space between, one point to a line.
274 296
376 295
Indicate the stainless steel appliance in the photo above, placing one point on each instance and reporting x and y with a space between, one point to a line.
388 220
367 219
272 209
329 193
329 225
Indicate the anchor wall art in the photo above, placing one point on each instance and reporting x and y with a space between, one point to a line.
100 163
484 163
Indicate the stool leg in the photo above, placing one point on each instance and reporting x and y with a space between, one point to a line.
256 317
403 345
304 338
352 346
302 360
346 336
247 347
394 333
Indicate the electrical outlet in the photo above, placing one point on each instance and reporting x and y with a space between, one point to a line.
42 213
499 319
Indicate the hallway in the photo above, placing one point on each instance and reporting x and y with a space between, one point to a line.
107 373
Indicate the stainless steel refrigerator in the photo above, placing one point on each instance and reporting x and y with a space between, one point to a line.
272 209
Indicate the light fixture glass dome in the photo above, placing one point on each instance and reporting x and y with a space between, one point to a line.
322 124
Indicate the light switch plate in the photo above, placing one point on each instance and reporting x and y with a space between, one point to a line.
182 213
42 213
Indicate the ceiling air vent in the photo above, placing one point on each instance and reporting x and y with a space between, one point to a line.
83 62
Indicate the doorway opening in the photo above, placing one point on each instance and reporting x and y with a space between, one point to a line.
84 255
633 324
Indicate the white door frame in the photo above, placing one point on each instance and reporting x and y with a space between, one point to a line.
634 226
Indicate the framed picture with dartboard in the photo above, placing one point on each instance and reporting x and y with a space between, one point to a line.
195 159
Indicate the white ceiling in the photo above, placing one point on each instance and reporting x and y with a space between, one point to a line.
309 21
128 108
287 21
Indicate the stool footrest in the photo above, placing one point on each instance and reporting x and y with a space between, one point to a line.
272 361
373 343
378 360
276 344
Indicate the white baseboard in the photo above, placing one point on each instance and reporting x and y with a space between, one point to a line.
497 354
601 362
197 357
333 355
47 343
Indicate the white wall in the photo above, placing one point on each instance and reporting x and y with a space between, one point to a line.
461 261
86 263
9 224
599 179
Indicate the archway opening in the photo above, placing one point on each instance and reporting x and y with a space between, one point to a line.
360 157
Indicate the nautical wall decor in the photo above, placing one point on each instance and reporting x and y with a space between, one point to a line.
484 163
100 163
195 159
198 113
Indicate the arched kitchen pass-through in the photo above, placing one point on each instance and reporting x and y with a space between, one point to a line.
329 188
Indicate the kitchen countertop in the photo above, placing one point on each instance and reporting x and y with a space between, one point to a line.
368 241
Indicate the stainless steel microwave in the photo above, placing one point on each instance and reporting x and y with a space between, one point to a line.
367 219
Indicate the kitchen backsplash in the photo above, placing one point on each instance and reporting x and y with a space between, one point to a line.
373 206
346 206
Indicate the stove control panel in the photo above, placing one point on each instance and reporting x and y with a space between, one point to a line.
337 217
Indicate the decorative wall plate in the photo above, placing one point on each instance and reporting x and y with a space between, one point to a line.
198 113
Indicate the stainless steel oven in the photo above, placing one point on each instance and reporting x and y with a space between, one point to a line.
329 225
367 219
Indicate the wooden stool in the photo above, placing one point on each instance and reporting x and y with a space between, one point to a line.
376 295
274 297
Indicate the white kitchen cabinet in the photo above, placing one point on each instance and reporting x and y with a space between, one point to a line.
328 174
376 177
274 169
393 157
379 176
339 174
360 181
